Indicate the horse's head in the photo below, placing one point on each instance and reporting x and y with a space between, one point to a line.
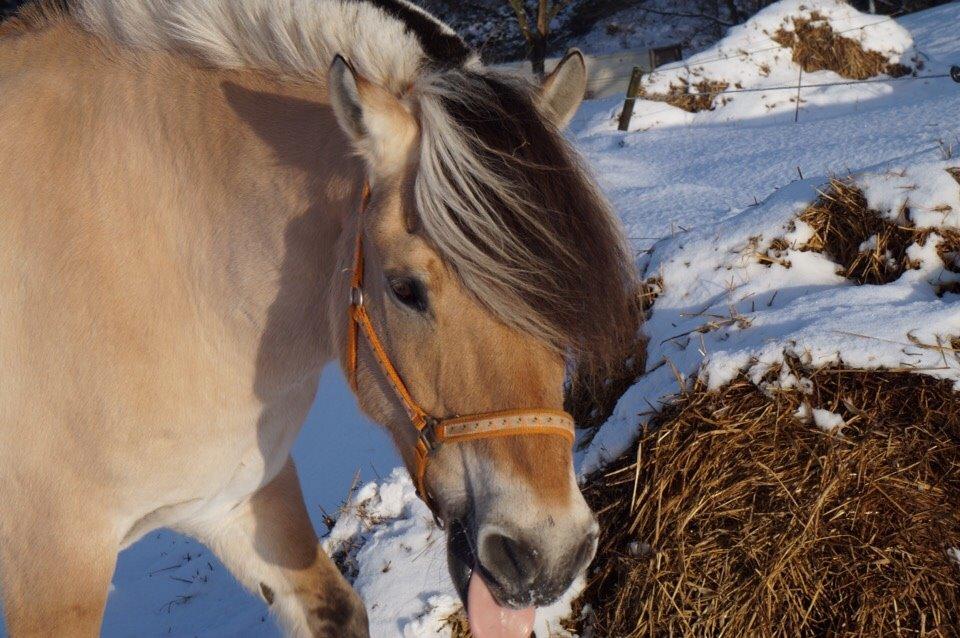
489 261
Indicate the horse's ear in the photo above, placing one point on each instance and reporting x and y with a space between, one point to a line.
563 90
374 119
345 98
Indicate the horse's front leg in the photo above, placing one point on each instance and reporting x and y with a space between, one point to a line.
269 544
57 553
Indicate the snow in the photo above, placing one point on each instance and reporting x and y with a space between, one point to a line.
397 556
930 195
700 195
389 537
748 58
954 554
827 421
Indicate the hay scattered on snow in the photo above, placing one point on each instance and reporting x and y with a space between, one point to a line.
817 47
870 248
458 624
736 517
689 97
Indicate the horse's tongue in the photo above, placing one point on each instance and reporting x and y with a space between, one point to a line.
490 620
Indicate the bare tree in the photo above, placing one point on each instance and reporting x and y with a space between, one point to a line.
537 31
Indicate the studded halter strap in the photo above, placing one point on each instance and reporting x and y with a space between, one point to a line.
431 431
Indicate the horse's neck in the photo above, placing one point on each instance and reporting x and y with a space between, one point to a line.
288 178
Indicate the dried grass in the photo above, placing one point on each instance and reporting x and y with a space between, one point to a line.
842 222
458 624
817 47
689 97
734 518
868 247
954 172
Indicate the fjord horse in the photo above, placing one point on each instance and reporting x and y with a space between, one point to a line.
201 203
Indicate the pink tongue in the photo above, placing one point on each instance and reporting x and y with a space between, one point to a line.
490 620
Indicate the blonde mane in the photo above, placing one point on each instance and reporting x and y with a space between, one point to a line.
289 38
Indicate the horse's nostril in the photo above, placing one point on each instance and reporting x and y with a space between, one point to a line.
511 561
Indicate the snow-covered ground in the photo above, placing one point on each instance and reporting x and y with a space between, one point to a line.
704 189
700 195
749 58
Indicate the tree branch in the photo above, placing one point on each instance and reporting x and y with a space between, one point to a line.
543 23
557 7
522 19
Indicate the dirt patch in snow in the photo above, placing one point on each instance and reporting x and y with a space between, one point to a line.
692 98
817 47
737 515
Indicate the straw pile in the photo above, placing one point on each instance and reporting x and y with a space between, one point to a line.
689 97
736 516
868 247
817 47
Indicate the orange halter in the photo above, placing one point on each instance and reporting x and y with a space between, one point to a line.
431 431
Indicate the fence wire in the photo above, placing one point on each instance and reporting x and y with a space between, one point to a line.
740 55
743 54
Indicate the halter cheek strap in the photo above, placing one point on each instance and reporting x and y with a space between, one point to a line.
433 432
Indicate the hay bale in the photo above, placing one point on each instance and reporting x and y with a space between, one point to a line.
817 47
736 517
689 97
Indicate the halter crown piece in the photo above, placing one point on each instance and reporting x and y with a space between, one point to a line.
432 431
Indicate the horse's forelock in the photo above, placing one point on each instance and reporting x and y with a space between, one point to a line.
510 208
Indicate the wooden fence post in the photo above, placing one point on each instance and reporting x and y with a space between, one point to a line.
632 89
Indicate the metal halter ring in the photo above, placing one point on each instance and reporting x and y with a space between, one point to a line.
356 296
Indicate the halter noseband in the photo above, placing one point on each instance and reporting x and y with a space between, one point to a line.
432 431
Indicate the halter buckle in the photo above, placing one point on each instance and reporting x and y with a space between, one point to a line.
356 296
428 435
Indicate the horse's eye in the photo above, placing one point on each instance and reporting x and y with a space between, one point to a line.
410 292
